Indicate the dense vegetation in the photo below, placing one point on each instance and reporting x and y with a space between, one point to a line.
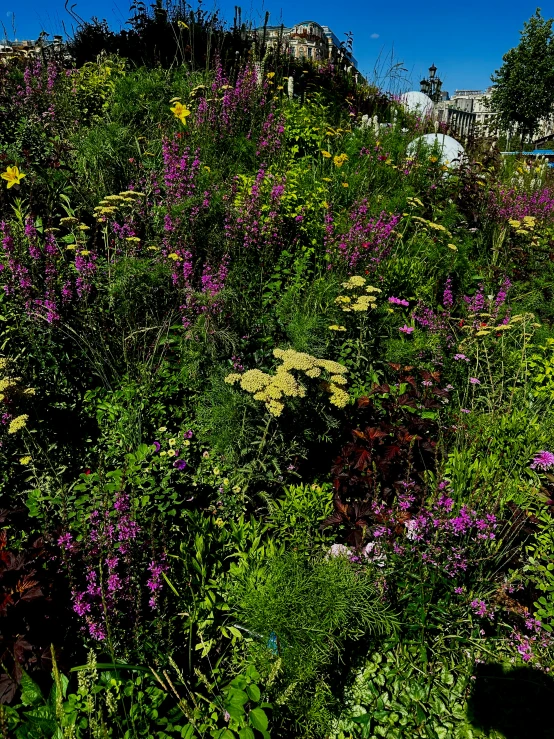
278 433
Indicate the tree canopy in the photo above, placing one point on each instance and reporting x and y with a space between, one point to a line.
523 92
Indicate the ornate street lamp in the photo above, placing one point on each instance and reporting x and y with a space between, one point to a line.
432 86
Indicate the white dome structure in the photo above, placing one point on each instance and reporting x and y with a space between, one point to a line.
417 102
450 150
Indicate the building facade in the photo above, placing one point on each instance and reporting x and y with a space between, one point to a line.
307 40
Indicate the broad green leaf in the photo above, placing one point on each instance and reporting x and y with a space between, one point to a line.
254 693
258 719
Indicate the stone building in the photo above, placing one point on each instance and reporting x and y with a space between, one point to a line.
307 40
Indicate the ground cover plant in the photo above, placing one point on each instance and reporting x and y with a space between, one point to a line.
277 429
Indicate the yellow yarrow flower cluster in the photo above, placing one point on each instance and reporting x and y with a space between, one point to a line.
353 282
361 303
9 385
10 388
18 423
273 389
108 206
431 224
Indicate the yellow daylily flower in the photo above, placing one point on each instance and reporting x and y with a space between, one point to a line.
181 112
326 154
13 176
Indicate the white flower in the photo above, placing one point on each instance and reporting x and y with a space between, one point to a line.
411 528
372 552
338 550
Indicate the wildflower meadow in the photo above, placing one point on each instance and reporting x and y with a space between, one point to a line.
278 403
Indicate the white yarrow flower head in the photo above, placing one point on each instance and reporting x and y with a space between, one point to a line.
338 550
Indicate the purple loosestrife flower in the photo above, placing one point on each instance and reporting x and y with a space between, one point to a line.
461 358
97 631
476 303
367 240
479 607
154 583
447 296
80 605
543 461
66 541
398 301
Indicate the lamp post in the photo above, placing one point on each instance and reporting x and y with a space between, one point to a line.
432 85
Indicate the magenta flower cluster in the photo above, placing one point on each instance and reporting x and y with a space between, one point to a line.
110 554
543 461
364 241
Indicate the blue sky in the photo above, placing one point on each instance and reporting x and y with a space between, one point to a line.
465 40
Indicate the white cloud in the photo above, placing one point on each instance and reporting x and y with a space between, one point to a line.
374 35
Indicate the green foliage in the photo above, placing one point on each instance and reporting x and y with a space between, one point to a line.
523 92
396 694
302 610
191 526
297 516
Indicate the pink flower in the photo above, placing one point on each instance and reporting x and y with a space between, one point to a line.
406 329
398 301
543 461
474 381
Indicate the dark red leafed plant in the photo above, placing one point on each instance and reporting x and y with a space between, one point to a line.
394 434
28 623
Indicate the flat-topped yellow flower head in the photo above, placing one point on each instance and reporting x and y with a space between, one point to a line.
13 176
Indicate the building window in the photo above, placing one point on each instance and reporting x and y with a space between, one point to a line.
310 52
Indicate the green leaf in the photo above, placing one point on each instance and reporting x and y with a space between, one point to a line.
223 734
30 691
236 697
254 693
246 733
236 712
252 674
258 719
